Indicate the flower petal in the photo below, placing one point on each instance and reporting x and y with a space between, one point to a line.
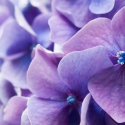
61 29
42 29
12 112
15 70
101 6
24 118
14 39
76 68
42 75
107 88
95 33
6 90
77 11
47 112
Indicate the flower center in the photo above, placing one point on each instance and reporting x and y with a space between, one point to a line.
121 57
71 100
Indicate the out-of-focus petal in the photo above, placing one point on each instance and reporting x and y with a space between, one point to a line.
97 32
47 112
14 39
14 109
77 11
76 68
107 88
6 90
42 76
24 118
61 29
101 6
42 29
4 14
15 70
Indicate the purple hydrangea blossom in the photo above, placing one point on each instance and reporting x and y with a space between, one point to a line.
16 48
107 86
60 86
69 16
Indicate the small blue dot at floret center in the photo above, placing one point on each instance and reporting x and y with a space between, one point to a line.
121 57
71 100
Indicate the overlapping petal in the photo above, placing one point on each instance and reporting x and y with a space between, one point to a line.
14 39
6 90
25 118
42 29
97 32
15 70
42 76
107 88
76 68
47 112
12 112
76 11
61 29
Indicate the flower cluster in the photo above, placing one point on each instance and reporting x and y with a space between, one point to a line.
62 62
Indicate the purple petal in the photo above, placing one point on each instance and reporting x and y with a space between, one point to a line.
41 27
14 39
47 112
14 109
97 32
15 70
107 88
6 90
118 22
76 11
76 68
42 75
4 14
24 118
61 29
101 6
2 122
84 109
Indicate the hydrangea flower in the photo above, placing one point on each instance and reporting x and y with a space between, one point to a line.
69 16
16 47
107 87
60 86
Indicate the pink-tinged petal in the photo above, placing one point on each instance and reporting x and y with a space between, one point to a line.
24 118
107 88
84 109
4 14
14 110
76 68
6 90
14 39
101 6
15 70
47 112
77 11
97 32
42 29
61 29
118 22
42 76
2 122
